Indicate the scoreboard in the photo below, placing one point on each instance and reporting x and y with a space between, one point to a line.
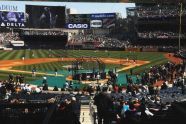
79 18
86 21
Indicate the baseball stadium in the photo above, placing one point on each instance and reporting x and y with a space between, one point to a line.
61 65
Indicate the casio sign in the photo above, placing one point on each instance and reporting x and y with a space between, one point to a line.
77 26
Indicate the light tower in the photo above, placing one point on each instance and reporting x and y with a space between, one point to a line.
180 28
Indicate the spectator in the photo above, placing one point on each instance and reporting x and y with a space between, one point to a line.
104 106
34 71
55 70
55 88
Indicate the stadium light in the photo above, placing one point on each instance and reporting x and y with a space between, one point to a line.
179 40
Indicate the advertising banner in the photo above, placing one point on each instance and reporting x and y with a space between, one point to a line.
102 15
77 26
106 20
12 19
133 49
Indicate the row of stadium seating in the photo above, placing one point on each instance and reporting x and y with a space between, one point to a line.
160 34
97 41
158 11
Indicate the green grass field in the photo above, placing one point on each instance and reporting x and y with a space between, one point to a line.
17 54
155 58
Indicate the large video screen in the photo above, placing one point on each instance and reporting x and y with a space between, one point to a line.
45 16
85 21
78 21
12 19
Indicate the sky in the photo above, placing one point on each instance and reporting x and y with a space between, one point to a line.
77 7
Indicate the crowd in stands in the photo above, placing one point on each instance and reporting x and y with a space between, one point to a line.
180 54
16 88
105 42
6 37
159 11
81 38
99 41
113 43
150 46
34 101
142 101
43 32
159 34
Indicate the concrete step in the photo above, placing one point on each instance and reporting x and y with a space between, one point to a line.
85 117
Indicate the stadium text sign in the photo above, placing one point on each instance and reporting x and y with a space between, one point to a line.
13 8
77 26
103 15
11 19
107 19
12 24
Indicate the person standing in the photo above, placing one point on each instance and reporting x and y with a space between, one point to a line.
131 71
21 79
55 70
45 18
33 54
127 78
23 58
127 59
44 80
104 104
34 72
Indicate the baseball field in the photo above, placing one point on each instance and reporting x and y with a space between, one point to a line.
45 61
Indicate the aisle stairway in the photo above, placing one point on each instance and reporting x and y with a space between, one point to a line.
85 117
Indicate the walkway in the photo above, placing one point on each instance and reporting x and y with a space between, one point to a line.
85 117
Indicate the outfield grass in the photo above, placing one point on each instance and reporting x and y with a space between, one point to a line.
44 67
27 77
18 54
146 67
155 58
